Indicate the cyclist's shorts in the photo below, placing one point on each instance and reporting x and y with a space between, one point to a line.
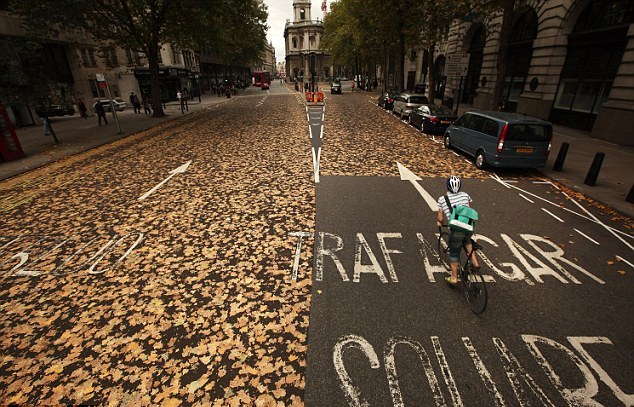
456 240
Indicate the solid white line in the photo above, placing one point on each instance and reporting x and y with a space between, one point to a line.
310 132
498 179
551 214
586 236
321 132
623 260
526 198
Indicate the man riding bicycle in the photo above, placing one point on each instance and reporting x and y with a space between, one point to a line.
457 239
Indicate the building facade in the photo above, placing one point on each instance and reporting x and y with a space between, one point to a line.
569 61
302 36
74 60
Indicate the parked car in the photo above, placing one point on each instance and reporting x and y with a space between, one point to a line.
335 88
501 139
432 118
55 110
404 103
386 100
119 104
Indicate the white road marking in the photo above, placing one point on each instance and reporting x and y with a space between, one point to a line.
527 199
609 229
298 249
446 372
553 215
352 341
407 175
586 236
625 261
178 170
484 373
590 218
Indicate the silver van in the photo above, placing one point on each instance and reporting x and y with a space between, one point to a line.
405 103
501 139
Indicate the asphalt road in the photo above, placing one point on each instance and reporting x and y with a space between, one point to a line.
199 262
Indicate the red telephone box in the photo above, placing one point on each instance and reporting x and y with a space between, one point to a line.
10 148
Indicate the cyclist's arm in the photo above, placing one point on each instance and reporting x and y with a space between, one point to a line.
440 217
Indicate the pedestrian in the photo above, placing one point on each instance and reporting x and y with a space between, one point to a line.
502 105
181 100
146 105
134 101
353 86
82 108
101 113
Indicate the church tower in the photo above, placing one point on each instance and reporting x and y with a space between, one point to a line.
301 10
305 61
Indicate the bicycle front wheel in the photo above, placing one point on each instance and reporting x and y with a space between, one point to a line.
475 290
443 249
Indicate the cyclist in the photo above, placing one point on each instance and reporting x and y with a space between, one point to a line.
457 239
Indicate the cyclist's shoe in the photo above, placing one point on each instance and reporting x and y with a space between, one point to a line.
450 281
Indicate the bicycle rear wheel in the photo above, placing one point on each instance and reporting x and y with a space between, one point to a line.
475 290
443 249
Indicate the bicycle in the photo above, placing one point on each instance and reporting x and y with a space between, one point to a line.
473 285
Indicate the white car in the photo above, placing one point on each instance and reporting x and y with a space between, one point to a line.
119 105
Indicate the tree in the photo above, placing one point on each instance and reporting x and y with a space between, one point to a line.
144 25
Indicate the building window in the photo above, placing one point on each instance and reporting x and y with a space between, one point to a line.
294 42
133 57
311 41
176 56
110 56
302 14
88 57
595 51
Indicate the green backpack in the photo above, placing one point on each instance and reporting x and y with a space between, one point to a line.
462 218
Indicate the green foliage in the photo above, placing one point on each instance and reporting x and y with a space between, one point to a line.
24 77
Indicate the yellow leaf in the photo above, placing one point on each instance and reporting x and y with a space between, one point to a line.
621 272
610 262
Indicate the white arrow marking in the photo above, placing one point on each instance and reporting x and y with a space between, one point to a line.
178 170
407 175
316 157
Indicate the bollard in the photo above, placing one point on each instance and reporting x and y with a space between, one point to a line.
630 196
561 157
593 173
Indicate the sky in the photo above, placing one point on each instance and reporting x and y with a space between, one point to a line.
279 11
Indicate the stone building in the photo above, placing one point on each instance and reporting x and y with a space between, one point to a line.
569 61
302 38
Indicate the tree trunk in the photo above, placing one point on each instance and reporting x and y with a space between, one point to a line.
399 75
431 73
157 106
501 63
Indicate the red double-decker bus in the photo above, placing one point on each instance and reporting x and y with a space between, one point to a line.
260 77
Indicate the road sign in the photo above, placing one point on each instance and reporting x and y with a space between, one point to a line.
456 65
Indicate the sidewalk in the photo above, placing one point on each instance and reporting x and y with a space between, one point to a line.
76 135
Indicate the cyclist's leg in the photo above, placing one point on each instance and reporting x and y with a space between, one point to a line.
474 259
455 245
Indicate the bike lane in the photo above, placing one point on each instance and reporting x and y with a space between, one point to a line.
386 330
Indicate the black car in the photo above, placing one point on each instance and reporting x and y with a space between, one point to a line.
386 100
431 118
54 110
335 88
